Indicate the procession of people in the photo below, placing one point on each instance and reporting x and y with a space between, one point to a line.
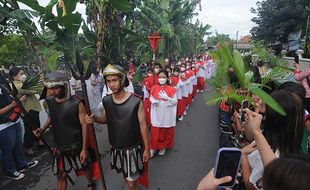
139 125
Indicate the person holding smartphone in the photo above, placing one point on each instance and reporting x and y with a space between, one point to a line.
303 77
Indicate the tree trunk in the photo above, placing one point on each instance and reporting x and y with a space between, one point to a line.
100 38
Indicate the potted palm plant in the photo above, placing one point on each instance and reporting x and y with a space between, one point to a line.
226 59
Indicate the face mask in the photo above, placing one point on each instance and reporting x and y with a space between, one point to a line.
182 69
188 67
23 78
149 74
156 70
162 81
169 74
176 74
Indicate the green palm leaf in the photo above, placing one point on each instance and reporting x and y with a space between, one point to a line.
267 99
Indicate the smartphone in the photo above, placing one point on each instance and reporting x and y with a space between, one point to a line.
296 59
244 104
227 164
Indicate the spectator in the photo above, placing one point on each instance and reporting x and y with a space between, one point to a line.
303 78
11 146
290 173
95 81
32 106
271 145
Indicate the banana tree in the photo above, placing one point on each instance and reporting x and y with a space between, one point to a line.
98 12
234 60
23 21
168 18
64 25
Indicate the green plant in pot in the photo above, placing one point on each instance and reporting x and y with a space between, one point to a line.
244 86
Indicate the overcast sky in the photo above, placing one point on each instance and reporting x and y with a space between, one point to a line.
225 16
228 16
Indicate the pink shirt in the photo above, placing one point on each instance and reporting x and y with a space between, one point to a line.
301 76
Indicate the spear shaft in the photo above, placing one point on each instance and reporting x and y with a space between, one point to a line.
79 74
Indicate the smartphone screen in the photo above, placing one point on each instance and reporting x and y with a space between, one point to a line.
228 162
245 104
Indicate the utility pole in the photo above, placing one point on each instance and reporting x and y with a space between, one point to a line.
237 40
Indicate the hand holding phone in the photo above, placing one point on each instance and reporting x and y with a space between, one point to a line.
244 105
227 164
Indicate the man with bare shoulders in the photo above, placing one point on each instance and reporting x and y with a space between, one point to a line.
127 129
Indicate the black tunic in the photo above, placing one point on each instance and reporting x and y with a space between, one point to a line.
66 127
123 124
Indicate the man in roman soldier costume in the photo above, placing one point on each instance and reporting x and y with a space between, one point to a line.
66 116
127 128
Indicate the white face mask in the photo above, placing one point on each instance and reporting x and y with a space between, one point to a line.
162 81
188 67
156 70
176 74
149 74
182 69
23 78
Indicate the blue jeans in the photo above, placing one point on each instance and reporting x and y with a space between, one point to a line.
11 146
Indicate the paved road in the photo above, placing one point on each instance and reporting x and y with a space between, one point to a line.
193 155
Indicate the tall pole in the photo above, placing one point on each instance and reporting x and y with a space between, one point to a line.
154 56
237 40
82 76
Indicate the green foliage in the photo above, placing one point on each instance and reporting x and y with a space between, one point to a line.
260 50
213 40
171 19
13 50
52 56
34 83
276 19
244 77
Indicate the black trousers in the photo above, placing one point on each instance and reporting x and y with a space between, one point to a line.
29 138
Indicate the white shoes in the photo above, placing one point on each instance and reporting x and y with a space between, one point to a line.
181 118
162 152
152 153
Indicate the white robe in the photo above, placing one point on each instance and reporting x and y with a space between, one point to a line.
163 113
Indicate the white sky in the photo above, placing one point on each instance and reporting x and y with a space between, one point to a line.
225 16
228 16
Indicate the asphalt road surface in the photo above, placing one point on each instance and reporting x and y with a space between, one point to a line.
193 155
